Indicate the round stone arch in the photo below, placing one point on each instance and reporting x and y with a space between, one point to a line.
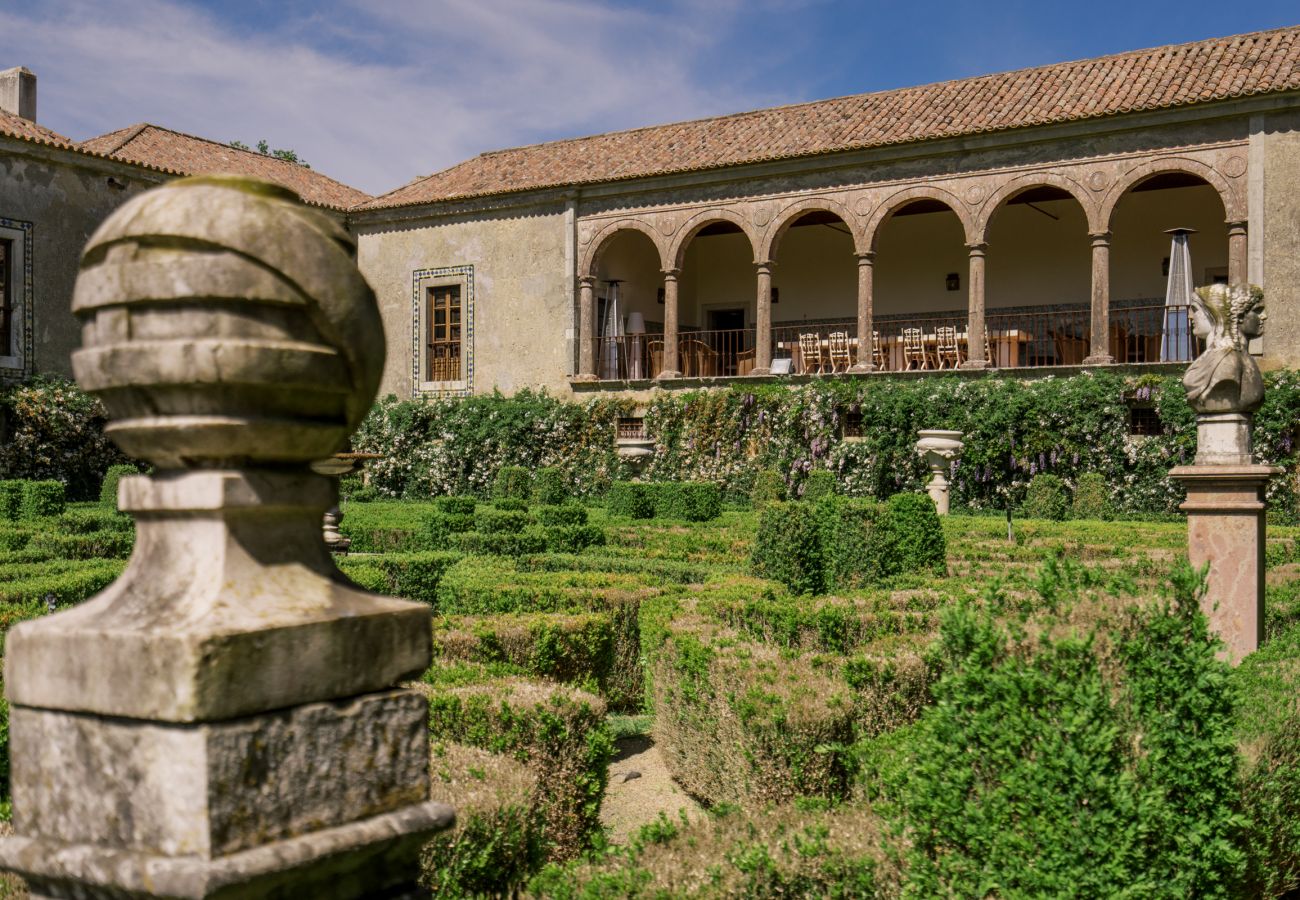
676 254
600 243
898 200
771 239
1233 206
1020 183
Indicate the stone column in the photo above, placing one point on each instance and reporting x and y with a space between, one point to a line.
866 271
223 720
975 330
1237 253
763 319
1099 353
672 368
586 328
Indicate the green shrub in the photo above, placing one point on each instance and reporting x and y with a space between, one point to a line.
550 487
1095 763
769 487
848 524
565 514
455 506
108 488
530 540
414 576
572 538
364 573
64 588
654 570
512 483
497 842
11 500
14 537
443 526
557 731
577 648
1046 498
819 484
95 545
510 504
1092 498
86 521
908 537
490 520
789 548
631 499
688 501
42 499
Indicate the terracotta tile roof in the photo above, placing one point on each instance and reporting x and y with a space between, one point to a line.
151 145
24 129
1160 78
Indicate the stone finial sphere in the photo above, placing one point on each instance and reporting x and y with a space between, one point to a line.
226 323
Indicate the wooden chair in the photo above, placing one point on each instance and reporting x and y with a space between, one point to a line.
745 361
810 350
947 350
1070 350
878 353
914 355
841 357
699 359
655 353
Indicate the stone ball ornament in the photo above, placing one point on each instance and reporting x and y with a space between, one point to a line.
225 324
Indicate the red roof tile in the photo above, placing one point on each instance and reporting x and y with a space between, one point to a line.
158 147
27 130
1160 78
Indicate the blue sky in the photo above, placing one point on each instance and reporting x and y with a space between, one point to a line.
377 92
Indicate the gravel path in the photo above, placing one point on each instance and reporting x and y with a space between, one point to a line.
639 789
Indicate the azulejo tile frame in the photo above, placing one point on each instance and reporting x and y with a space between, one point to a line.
15 366
421 280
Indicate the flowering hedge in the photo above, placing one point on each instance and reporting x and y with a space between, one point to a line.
1013 428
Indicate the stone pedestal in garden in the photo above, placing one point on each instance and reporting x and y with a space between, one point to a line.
940 449
1225 489
223 720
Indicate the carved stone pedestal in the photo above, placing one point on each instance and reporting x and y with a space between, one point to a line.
1225 527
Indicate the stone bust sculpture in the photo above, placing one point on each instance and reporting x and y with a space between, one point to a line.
1225 379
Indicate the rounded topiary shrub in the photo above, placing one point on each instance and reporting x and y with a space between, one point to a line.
630 499
1092 498
908 537
550 486
819 484
769 487
512 483
1046 498
788 547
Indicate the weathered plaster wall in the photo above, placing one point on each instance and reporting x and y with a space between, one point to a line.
1276 144
522 312
65 197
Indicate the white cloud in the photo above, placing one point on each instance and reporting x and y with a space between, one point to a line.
374 92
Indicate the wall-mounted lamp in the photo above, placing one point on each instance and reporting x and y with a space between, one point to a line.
952 281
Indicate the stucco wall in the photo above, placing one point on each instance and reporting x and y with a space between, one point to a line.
65 197
522 335
1276 144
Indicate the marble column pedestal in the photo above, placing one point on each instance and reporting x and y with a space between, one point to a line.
1225 528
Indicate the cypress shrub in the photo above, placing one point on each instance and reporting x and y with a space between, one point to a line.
42 499
908 537
550 487
108 488
1045 498
11 500
630 499
789 547
512 483
688 501
1092 498
769 487
819 484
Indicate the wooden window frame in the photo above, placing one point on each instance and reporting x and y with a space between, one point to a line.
6 295
443 328
16 352
427 283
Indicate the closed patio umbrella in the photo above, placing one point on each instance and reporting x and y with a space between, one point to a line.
1176 339
612 336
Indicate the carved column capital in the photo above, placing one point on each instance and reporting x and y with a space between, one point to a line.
671 274
1099 238
587 281
866 258
978 248
1236 227
764 266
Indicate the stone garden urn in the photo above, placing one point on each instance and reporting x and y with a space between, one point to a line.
940 449
636 452
337 466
